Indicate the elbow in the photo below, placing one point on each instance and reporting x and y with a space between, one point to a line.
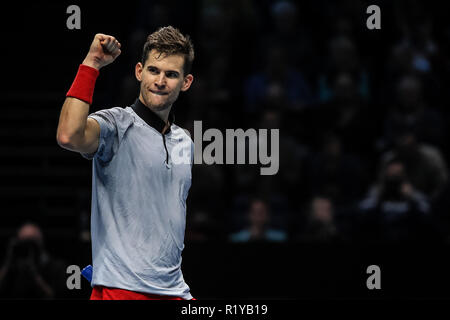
63 141
66 141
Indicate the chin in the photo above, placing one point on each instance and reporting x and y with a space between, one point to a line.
156 105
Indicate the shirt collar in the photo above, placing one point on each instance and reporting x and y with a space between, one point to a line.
151 118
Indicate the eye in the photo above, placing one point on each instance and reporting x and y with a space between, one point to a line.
153 70
172 74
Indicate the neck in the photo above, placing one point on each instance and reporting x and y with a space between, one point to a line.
163 114
159 122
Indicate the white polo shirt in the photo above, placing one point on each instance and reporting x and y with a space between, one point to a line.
139 202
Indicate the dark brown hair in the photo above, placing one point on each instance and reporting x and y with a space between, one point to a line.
170 41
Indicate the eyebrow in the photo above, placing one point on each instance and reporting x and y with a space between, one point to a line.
154 67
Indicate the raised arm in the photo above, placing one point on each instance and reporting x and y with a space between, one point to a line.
75 131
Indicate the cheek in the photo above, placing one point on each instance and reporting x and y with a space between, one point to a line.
173 87
145 80
176 91
178 87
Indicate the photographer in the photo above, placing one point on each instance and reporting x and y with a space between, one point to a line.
394 210
29 272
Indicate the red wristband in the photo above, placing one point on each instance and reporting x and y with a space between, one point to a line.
83 86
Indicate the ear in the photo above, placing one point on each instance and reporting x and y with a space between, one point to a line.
187 82
138 71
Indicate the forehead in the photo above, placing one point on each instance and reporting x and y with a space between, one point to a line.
29 231
165 62
395 167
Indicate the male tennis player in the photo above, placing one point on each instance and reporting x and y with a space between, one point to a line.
138 193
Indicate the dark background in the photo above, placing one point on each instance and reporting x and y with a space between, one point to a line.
348 101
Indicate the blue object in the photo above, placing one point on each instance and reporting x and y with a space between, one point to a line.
87 273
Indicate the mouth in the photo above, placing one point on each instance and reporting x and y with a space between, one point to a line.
159 93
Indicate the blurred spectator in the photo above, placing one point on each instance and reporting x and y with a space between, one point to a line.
291 158
218 75
349 116
411 109
214 33
29 272
399 63
343 57
423 163
333 172
393 209
278 85
259 229
424 56
213 92
283 190
320 225
420 47
289 30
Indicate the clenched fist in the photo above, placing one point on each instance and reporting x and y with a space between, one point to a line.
104 50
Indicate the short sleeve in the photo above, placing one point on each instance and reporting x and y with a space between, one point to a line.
108 141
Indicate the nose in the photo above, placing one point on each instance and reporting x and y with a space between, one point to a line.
160 80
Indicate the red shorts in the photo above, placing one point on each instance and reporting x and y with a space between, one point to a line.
105 293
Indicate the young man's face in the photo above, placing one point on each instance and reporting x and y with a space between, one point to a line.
162 78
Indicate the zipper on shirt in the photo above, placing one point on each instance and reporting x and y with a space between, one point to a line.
167 152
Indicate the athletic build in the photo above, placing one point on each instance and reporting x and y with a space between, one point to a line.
138 194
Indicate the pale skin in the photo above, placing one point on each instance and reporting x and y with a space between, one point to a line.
161 80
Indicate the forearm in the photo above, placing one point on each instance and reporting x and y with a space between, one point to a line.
75 110
72 122
44 287
74 131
